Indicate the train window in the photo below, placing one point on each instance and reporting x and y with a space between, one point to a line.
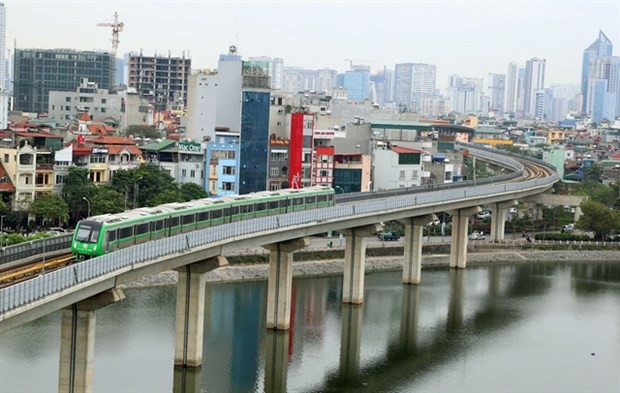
204 216
298 201
188 219
142 229
273 204
216 214
159 225
124 233
321 198
311 199
285 202
88 233
247 209
235 210
173 222
111 235
228 211
260 206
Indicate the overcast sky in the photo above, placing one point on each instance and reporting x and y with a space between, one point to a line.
469 38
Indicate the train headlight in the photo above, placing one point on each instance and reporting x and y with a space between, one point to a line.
95 248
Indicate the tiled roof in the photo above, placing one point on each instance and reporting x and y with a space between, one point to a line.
40 134
8 186
403 150
163 145
117 149
113 140
85 117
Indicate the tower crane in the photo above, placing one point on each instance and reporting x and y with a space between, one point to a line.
117 27
352 60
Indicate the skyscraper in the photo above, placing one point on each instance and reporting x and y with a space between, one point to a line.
357 82
533 91
2 47
412 83
510 101
276 70
602 46
497 91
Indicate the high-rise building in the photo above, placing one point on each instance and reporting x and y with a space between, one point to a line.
533 90
326 81
3 75
497 92
275 66
357 83
465 94
510 101
601 47
383 86
423 83
39 71
403 79
161 79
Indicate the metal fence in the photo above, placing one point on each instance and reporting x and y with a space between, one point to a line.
124 260
35 247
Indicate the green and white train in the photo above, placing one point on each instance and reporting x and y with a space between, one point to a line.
106 233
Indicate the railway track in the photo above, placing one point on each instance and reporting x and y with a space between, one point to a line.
23 271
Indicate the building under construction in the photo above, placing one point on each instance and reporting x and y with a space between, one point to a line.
161 79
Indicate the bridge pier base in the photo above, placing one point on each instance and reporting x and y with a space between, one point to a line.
189 326
458 244
412 256
276 360
355 262
279 292
77 342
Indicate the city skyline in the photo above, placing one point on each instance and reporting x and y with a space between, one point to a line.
464 38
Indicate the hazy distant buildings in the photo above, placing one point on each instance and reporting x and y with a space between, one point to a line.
412 83
510 97
383 86
601 47
465 94
160 79
39 71
497 92
533 88
64 106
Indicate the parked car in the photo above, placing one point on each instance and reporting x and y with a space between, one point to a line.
568 228
388 235
475 235
57 231
483 214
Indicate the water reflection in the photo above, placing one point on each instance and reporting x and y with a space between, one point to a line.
485 327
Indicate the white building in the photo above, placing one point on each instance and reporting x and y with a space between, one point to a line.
533 88
510 96
99 103
397 167
275 69
3 70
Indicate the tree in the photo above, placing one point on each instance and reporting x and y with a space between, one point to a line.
191 191
50 207
598 218
165 196
77 186
143 131
142 185
107 200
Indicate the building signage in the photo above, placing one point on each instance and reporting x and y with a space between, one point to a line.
190 147
100 150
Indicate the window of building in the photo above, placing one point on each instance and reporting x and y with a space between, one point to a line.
274 171
183 172
103 100
60 179
192 173
274 186
67 99
6 158
274 156
228 170
401 175
228 186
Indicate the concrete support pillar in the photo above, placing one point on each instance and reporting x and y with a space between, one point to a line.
578 213
412 256
498 219
279 292
189 327
350 341
409 317
458 244
355 263
276 360
77 342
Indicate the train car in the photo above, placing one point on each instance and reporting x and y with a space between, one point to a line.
105 233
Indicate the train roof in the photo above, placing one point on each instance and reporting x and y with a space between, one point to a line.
168 208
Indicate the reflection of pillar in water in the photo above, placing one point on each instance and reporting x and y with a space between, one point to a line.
409 317
276 360
494 276
187 379
350 340
455 306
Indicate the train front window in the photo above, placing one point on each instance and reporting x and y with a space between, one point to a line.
88 232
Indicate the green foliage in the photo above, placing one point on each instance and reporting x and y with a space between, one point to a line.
107 200
598 218
594 173
50 208
77 186
165 196
143 185
191 191
596 191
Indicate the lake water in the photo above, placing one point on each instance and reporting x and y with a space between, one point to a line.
552 327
